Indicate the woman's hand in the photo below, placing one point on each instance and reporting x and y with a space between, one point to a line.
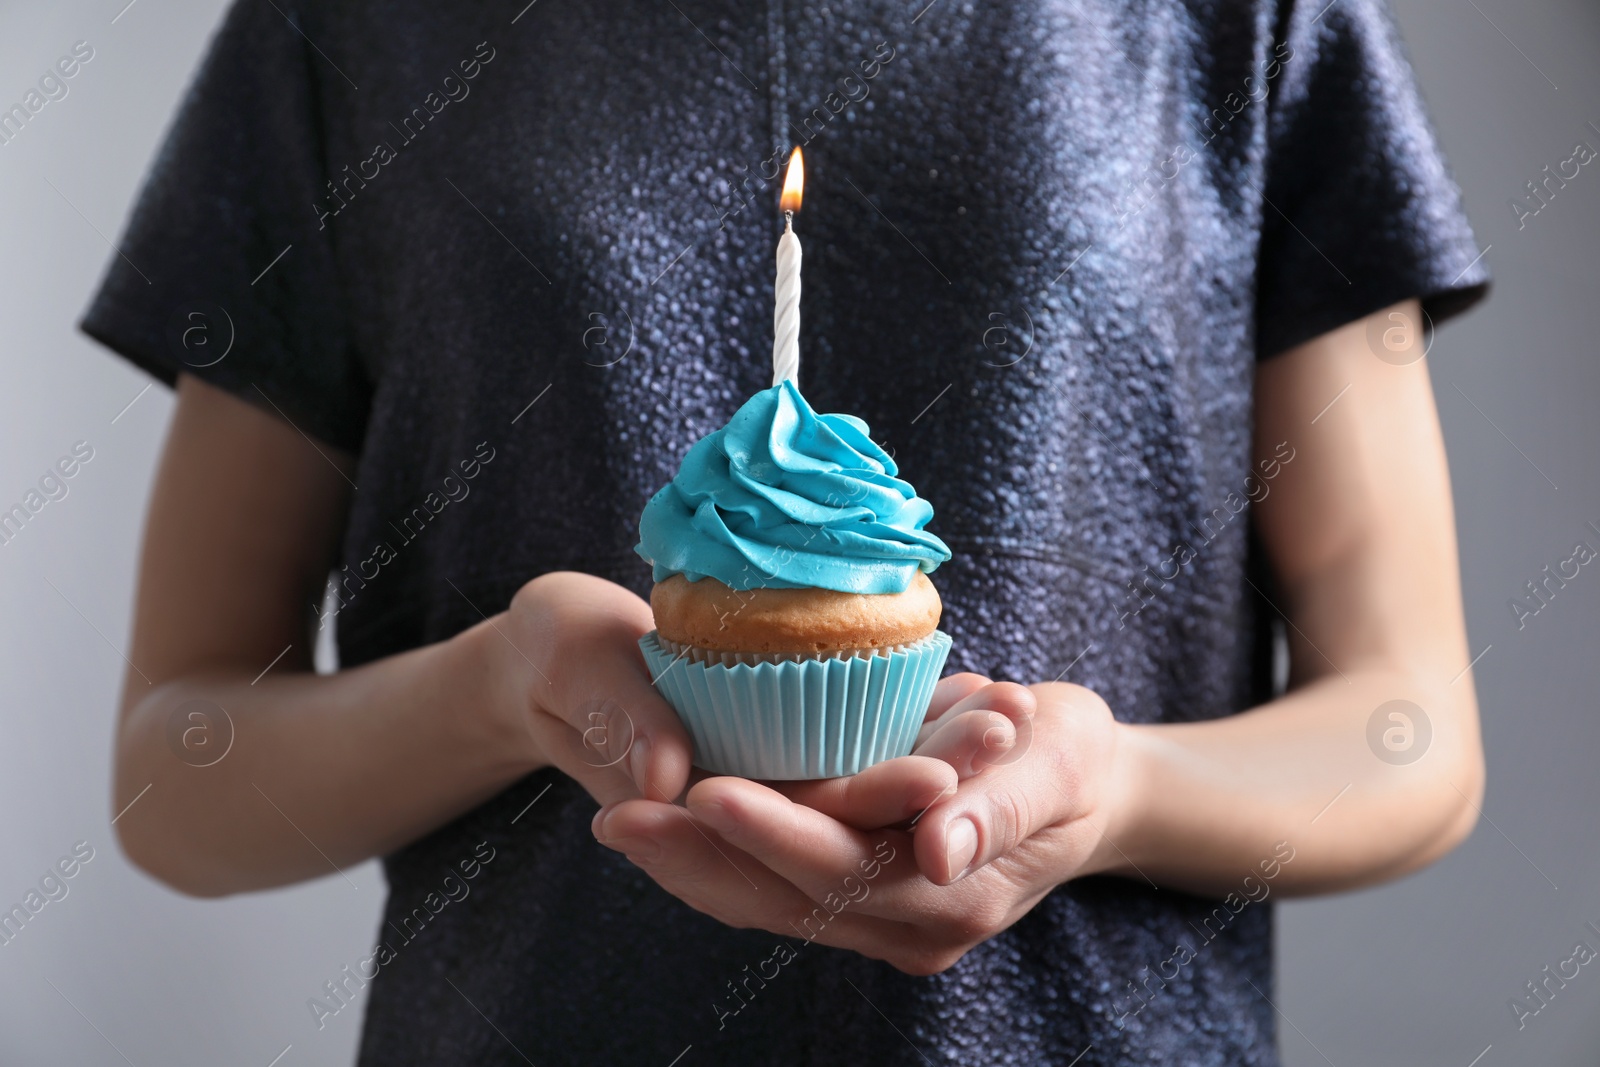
975 863
1041 815
568 654
971 724
572 671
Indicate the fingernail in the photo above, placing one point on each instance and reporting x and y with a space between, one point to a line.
961 844
718 818
639 761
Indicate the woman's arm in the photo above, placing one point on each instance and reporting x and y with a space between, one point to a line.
325 771
1359 529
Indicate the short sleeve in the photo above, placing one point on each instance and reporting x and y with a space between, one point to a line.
1360 210
226 270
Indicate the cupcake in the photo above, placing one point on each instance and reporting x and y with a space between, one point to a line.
796 628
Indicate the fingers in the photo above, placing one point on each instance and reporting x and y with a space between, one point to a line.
584 634
951 689
977 726
816 854
712 876
749 814
1016 703
970 741
785 868
623 723
883 794
994 812
665 840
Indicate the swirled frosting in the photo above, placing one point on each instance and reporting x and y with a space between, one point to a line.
785 498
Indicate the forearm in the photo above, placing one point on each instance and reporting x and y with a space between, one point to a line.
1361 537
322 772
1198 806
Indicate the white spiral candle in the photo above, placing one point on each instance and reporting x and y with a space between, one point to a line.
786 291
786 312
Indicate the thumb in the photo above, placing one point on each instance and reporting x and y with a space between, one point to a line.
989 815
616 718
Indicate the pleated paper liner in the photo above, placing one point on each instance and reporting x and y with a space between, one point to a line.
791 718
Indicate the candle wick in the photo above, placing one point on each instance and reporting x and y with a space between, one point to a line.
788 221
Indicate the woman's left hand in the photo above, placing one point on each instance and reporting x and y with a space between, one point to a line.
970 866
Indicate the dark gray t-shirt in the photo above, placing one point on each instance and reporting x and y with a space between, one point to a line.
517 259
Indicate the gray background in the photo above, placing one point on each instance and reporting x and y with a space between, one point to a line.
1417 973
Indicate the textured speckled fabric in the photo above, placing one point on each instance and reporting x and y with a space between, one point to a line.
1045 243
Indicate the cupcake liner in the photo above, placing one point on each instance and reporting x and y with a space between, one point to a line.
813 718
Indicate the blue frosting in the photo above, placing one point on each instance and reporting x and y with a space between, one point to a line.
785 498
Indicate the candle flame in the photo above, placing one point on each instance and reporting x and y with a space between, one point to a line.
794 182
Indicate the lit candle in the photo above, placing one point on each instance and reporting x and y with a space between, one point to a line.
786 312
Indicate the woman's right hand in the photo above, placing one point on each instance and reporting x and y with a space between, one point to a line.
569 650
569 654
